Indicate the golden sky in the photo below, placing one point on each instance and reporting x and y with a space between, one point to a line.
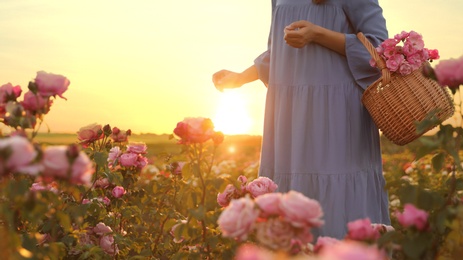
147 64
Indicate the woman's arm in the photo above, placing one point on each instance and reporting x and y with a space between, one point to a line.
301 33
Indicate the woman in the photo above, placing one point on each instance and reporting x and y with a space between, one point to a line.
318 138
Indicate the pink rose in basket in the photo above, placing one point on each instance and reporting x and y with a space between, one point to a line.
405 58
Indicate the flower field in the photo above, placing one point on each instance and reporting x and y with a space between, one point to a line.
105 193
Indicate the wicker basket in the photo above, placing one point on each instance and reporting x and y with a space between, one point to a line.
397 102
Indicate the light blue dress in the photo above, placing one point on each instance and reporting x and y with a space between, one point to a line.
318 138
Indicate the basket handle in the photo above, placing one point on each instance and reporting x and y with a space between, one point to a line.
380 63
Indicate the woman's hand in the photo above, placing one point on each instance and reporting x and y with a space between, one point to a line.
226 79
300 33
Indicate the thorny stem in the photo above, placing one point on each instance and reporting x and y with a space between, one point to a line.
161 202
91 187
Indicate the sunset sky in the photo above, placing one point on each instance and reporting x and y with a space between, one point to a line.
147 64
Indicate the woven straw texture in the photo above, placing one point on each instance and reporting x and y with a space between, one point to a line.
396 103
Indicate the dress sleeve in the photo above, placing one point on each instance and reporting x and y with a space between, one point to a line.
262 62
365 16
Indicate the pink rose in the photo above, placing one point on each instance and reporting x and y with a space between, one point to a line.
237 220
114 154
119 135
450 72
194 130
269 204
128 159
275 234
394 62
56 164
351 250
36 103
102 183
90 133
300 210
104 200
9 93
227 195
141 162
433 54
323 242
101 229
176 168
108 245
401 36
261 186
138 148
252 252
49 84
118 191
362 230
413 216
21 156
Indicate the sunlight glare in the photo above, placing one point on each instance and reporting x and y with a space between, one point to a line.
232 116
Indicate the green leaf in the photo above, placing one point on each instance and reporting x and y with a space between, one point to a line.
438 161
64 220
101 159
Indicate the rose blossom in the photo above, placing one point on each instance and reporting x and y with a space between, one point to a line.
237 220
362 230
275 234
413 216
119 135
9 93
300 210
252 252
269 204
227 195
118 191
108 246
450 72
323 242
101 229
351 250
56 164
128 159
194 130
261 186
114 154
36 103
90 133
102 183
22 153
49 84
138 148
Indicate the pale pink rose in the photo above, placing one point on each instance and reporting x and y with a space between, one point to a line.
22 153
90 133
104 200
230 192
138 148
261 185
351 250
252 252
101 229
37 187
56 165
394 62
269 204
382 228
323 242
118 191
108 245
82 170
36 103
194 130
300 210
413 216
405 68
401 36
275 234
237 220
120 135
128 159
102 183
415 40
49 84
362 230
172 231
114 154
8 92
450 72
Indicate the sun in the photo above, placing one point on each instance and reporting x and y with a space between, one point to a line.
232 116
